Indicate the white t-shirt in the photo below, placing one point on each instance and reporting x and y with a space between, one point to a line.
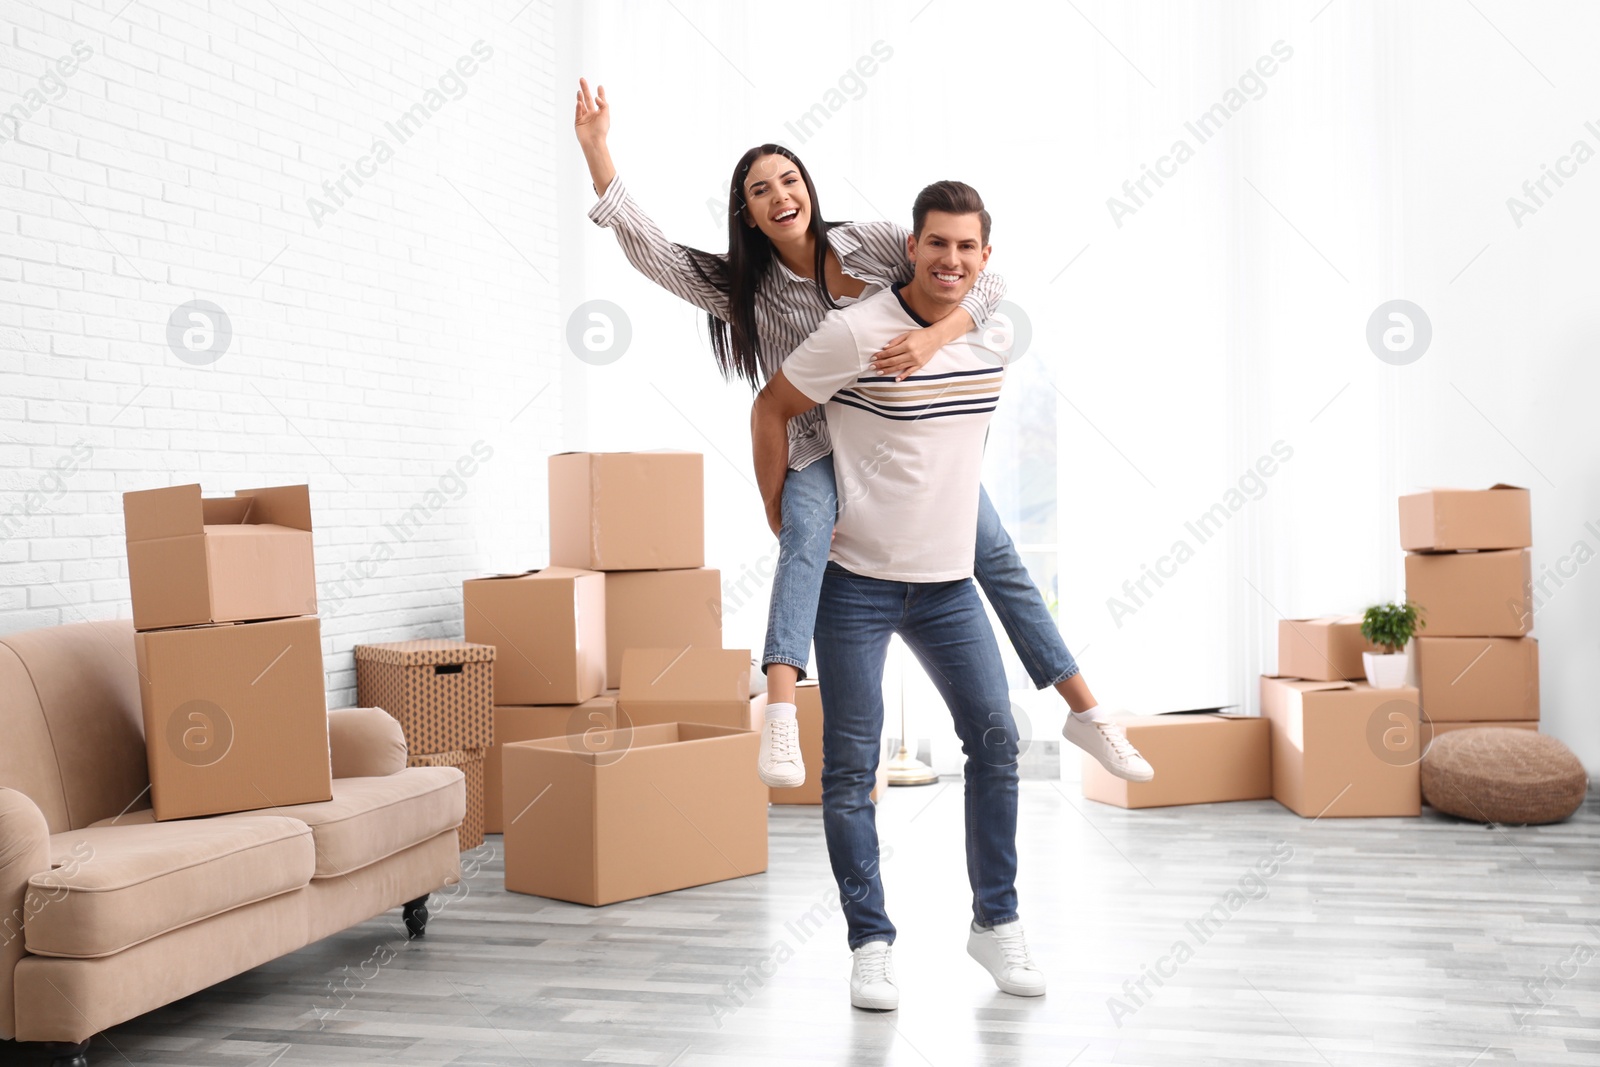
907 456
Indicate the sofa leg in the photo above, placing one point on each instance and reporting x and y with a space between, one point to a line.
416 916
67 1054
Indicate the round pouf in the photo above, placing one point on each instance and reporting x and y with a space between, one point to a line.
1494 774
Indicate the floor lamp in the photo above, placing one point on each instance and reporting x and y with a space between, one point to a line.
906 769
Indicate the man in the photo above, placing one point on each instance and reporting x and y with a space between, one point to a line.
907 459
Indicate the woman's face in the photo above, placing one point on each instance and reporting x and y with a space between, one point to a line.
775 199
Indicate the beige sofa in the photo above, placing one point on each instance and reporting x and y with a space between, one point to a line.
106 914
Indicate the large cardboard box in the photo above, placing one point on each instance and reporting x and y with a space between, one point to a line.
194 560
548 628
520 723
1442 520
627 511
654 609
235 717
469 762
1322 649
1430 730
809 716
440 691
1472 594
1198 757
688 684
646 810
1467 679
1343 748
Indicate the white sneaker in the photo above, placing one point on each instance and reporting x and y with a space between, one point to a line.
1004 954
872 978
1108 743
779 763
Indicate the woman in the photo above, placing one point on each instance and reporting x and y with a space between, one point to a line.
785 268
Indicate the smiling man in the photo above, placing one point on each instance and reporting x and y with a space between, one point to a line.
908 456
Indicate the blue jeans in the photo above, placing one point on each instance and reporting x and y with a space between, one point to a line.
810 508
944 625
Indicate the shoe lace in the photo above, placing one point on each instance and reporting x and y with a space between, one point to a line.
1015 949
873 967
785 740
1117 738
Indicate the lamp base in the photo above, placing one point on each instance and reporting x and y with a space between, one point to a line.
906 769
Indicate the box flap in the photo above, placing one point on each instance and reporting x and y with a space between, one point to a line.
175 511
1306 686
225 510
1503 485
686 674
281 505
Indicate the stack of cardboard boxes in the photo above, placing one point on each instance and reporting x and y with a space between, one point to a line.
1469 568
228 648
605 794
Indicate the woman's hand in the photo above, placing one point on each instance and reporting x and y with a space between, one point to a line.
592 120
908 353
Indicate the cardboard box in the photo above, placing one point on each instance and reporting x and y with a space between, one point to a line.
530 724
470 763
194 560
628 511
1199 758
648 810
548 628
1430 730
440 691
809 715
1472 594
687 684
235 717
1477 679
1322 649
1443 520
655 609
1343 748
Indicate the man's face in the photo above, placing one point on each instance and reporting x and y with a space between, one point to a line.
948 257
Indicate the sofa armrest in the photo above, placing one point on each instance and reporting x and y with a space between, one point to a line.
365 743
24 852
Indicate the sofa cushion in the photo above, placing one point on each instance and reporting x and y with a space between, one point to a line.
368 819
111 887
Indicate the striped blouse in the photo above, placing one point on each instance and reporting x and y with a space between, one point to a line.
788 307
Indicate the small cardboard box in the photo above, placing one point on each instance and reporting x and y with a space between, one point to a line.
520 723
628 511
1430 730
645 810
808 716
1477 679
654 609
687 684
470 763
440 691
235 717
1444 520
1198 757
1472 594
1343 748
548 628
194 560
1323 649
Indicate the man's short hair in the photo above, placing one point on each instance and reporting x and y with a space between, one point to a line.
954 198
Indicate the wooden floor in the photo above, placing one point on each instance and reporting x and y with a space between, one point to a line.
1370 942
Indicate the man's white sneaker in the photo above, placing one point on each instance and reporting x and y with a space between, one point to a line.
1003 951
872 978
779 763
1108 743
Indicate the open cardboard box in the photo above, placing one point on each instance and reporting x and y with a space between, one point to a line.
194 560
522 723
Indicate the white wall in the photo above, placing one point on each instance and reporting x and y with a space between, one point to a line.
372 348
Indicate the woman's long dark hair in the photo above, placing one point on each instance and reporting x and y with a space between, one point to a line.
736 343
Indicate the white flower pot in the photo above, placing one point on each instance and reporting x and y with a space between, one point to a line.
1385 670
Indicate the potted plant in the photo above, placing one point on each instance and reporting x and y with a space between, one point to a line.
1390 626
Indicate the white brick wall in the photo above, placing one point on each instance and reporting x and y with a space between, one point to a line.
371 352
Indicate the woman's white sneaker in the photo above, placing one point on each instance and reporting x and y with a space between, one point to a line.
779 763
1003 951
1108 743
872 978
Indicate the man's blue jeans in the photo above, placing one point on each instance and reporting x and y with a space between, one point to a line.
810 508
946 628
